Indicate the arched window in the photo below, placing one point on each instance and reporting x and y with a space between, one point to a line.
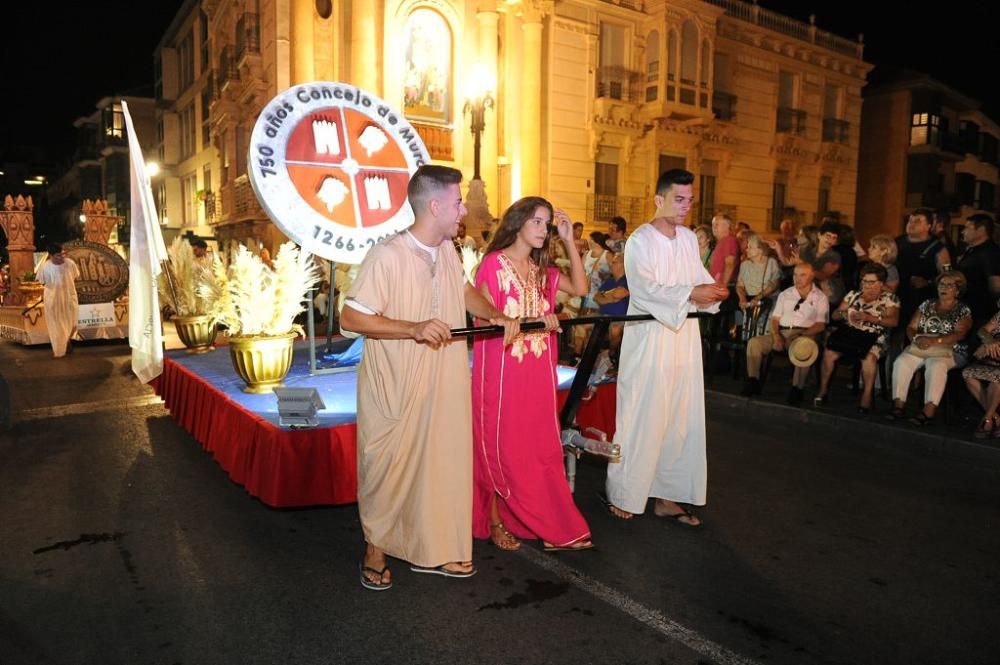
672 56
427 72
653 56
706 64
689 53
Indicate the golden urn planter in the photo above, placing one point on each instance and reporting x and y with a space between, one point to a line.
32 291
262 361
197 332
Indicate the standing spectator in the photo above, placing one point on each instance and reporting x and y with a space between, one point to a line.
850 253
828 263
703 232
980 263
581 244
919 258
613 300
942 231
937 330
882 250
725 265
616 234
62 308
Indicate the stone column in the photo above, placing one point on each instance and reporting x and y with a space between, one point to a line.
532 12
488 20
364 46
303 70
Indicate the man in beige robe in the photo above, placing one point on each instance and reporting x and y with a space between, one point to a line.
414 395
62 308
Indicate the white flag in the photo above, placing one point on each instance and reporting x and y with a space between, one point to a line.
146 254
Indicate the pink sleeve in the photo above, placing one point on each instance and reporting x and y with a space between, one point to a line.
553 287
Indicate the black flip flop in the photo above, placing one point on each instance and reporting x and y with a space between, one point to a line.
608 505
367 583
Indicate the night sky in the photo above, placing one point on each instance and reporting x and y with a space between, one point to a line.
54 74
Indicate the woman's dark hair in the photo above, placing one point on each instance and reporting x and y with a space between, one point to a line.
872 268
513 219
600 238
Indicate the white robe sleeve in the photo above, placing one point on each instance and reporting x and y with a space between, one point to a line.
667 304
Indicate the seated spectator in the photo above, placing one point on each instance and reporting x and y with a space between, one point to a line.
758 281
937 330
982 377
613 300
867 315
801 310
882 250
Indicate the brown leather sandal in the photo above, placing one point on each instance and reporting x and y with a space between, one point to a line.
503 539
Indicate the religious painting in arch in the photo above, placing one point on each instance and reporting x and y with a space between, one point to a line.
427 71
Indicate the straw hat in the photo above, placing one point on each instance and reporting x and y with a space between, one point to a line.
803 351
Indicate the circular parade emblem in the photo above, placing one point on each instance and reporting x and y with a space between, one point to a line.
330 164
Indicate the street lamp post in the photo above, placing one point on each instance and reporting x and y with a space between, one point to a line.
477 107
479 90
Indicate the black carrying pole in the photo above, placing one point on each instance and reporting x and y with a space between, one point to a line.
585 367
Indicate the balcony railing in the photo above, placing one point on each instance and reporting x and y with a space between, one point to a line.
752 13
835 130
952 143
437 138
228 71
723 105
602 207
637 5
617 82
238 201
791 121
247 36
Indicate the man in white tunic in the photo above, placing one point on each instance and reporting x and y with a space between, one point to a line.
660 421
59 274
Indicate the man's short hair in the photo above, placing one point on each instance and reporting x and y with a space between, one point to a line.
673 177
54 248
943 216
577 225
926 213
830 227
198 242
427 181
619 223
981 220
723 217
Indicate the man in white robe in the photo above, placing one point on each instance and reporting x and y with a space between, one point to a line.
62 307
660 421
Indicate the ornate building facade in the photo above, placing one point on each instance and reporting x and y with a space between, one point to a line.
593 99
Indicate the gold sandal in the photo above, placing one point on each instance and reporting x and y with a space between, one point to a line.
505 540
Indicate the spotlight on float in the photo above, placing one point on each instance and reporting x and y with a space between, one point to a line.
297 407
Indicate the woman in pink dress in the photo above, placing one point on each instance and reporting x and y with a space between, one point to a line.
520 484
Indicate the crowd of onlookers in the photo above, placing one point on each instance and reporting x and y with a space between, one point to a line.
906 311
922 307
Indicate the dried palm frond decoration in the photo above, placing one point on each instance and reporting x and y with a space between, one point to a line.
251 299
189 277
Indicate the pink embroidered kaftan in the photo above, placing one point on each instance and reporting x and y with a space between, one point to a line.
518 454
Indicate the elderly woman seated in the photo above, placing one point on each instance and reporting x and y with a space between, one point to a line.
937 330
982 377
866 317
